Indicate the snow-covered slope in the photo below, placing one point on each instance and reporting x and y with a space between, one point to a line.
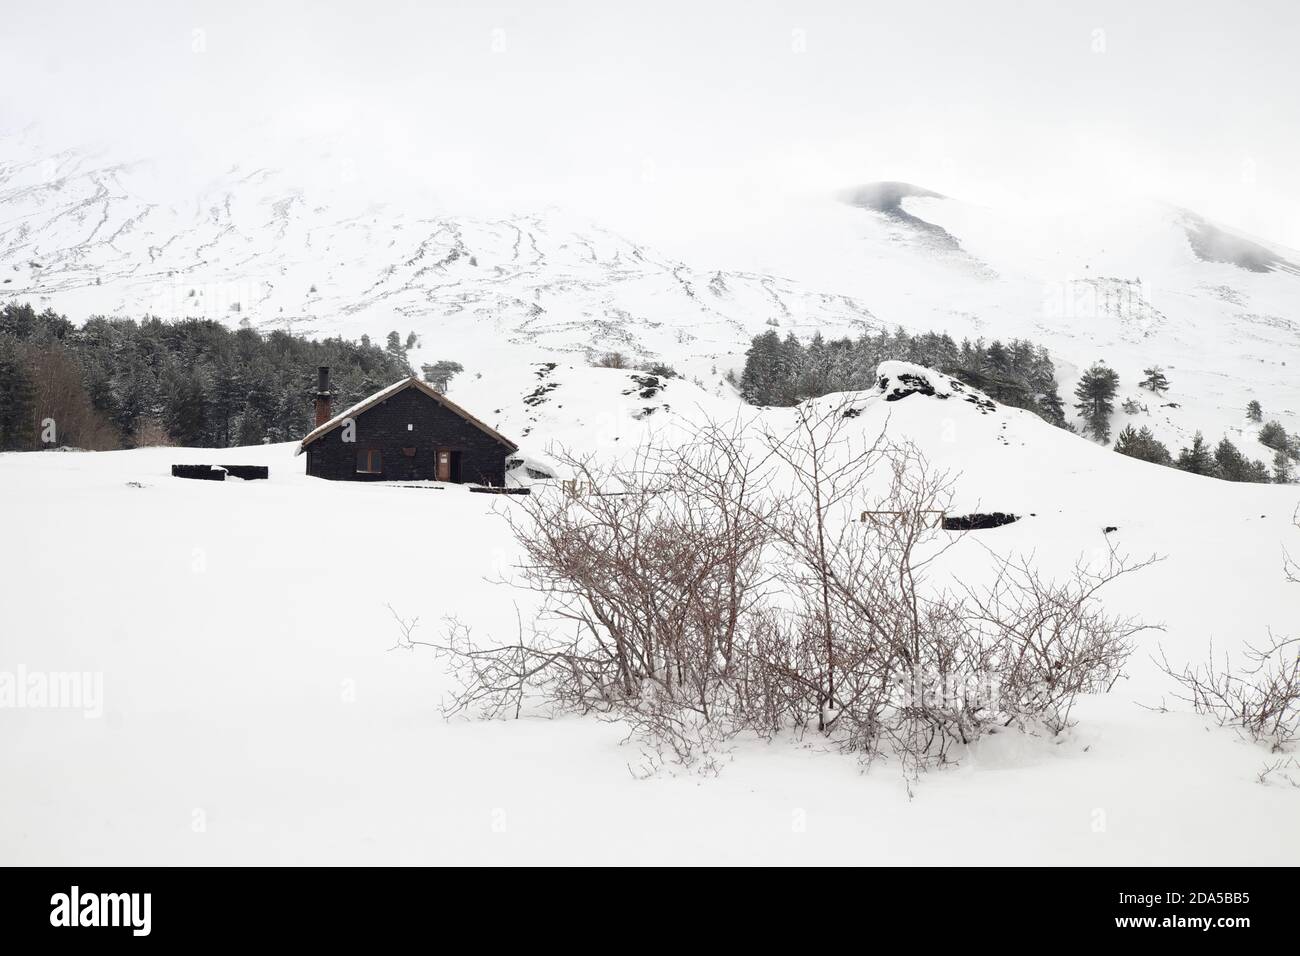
1133 283
88 238
253 711
1124 282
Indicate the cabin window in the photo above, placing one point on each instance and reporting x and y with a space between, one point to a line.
369 462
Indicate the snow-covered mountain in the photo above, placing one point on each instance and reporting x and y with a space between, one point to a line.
1133 283
86 236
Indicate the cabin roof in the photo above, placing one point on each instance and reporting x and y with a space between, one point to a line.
386 393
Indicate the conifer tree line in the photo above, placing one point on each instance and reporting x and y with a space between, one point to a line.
1017 373
119 383
786 372
1096 394
1224 461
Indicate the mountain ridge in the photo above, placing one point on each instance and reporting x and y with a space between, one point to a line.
81 233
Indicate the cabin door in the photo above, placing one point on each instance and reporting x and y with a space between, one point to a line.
442 461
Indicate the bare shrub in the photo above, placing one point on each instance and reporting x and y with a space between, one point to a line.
611 360
658 575
1285 769
151 433
1260 696
902 662
725 586
653 583
495 680
60 397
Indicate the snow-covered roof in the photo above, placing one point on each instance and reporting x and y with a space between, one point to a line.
386 393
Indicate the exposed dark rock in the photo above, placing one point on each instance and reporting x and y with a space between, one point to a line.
978 522
538 395
907 385
1212 244
248 472
887 199
649 385
200 472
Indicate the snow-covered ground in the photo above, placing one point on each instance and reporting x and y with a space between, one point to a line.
254 711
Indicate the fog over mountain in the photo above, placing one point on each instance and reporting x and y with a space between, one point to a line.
668 108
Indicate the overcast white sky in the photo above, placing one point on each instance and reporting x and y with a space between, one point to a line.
593 102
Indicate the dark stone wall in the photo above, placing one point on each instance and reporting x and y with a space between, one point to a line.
384 427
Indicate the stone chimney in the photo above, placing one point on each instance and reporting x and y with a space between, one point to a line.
324 411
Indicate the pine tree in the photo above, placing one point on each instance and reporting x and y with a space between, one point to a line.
227 392
998 358
815 366
17 397
186 411
1230 462
99 385
759 380
1127 442
1096 394
1254 412
1155 380
260 399
1197 460
1281 467
1052 408
251 430
789 371
135 396
1257 471
440 373
1274 436
1143 445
